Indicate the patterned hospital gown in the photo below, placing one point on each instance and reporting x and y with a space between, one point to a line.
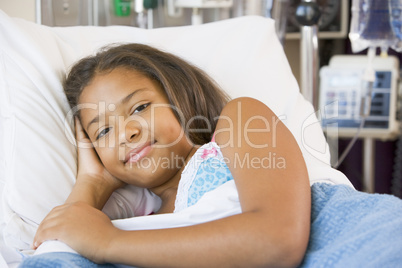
205 171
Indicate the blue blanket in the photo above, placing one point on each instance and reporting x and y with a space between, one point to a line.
354 229
348 229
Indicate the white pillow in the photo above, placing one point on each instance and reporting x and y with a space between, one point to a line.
37 157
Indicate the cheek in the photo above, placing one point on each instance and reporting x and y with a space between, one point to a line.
170 129
108 157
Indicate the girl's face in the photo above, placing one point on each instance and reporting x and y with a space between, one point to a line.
131 124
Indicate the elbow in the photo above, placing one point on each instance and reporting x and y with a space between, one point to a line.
287 256
288 248
293 253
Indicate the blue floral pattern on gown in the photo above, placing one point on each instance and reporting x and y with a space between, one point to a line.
205 171
211 173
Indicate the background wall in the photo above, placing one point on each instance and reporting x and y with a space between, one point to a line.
19 8
26 9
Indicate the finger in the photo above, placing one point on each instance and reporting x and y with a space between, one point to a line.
82 139
38 239
48 225
44 233
43 236
79 131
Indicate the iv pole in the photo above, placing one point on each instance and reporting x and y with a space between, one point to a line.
38 11
307 15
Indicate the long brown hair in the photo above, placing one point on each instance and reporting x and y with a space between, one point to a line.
197 98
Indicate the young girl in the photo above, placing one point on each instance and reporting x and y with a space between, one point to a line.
146 114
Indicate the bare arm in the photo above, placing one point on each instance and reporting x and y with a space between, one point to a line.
273 229
94 183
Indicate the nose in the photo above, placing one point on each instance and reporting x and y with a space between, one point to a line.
128 131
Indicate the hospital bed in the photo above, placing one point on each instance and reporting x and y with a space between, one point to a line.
38 155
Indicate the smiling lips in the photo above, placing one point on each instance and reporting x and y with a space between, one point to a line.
138 153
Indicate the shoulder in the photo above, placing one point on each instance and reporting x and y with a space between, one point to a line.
248 129
247 119
247 113
246 105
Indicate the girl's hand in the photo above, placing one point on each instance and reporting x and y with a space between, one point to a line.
94 183
80 226
89 165
79 222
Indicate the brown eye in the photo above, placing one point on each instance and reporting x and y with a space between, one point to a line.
102 133
140 108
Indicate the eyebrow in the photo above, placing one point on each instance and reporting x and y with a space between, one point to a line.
122 101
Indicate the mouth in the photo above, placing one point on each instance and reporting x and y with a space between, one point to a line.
138 153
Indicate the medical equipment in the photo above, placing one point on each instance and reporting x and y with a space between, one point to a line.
376 23
350 108
341 96
333 23
175 7
308 14
144 10
365 90
303 20
122 8
141 16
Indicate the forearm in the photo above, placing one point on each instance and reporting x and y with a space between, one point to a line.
91 191
244 240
